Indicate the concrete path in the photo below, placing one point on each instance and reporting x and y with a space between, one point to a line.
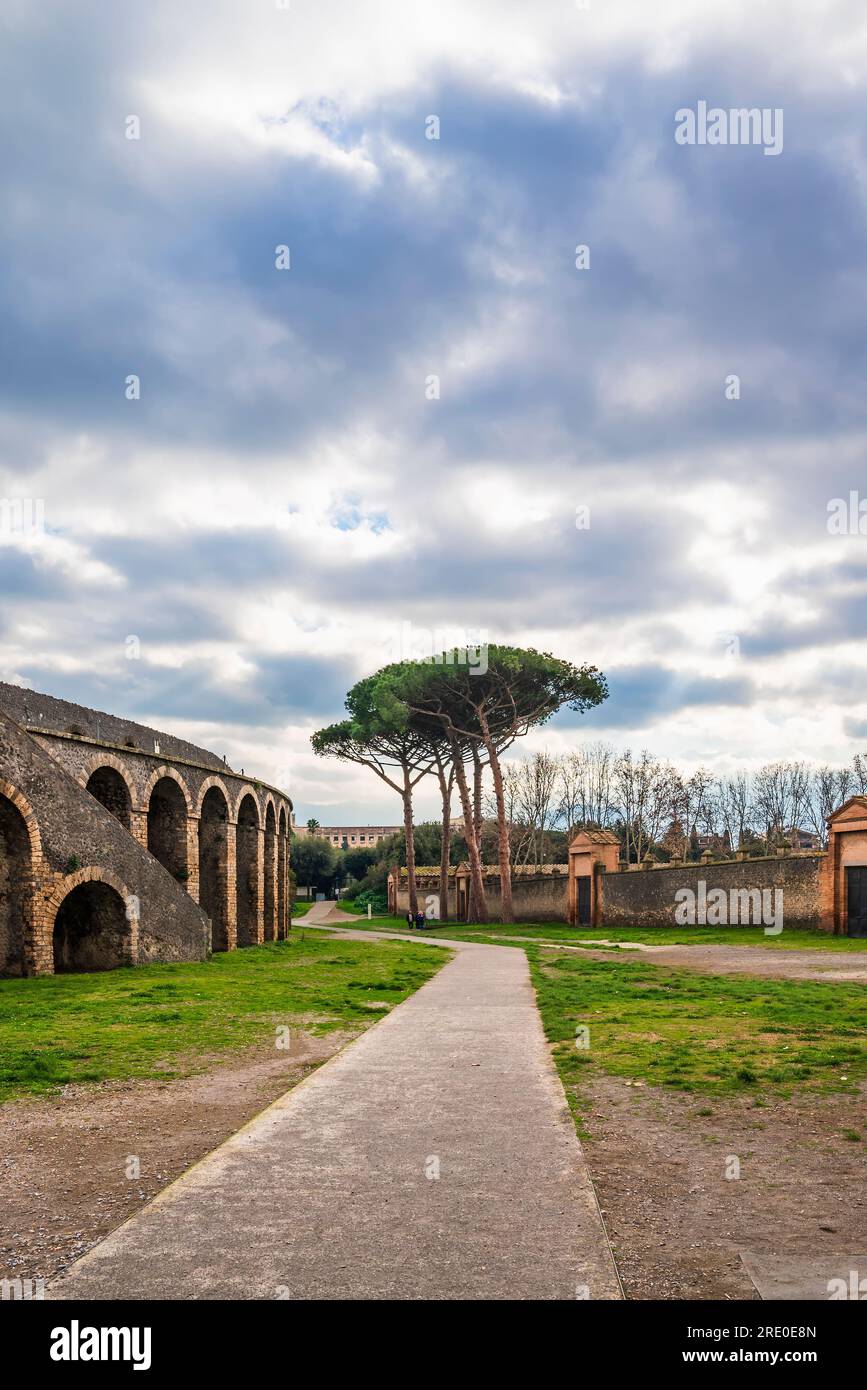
434 1158
829 966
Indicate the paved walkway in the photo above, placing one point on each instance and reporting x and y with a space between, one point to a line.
433 1158
847 967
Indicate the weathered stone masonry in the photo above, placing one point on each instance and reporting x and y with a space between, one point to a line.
825 890
119 844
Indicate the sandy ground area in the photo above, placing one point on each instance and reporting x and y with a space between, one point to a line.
750 960
64 1160
677 1223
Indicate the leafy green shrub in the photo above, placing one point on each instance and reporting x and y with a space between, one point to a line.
378 902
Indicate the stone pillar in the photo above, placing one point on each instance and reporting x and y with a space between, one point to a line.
39 942
260 887
282 888
192 883
138 824
231 887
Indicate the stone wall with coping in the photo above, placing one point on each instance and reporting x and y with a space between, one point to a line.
640 897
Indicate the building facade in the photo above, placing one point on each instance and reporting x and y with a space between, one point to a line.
351 836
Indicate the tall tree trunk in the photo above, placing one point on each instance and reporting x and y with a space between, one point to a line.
477 792
477 813
445 842
409 833
478 899
507 913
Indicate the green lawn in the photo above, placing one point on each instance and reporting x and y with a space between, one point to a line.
171 1020
300 909
560 932
702 1033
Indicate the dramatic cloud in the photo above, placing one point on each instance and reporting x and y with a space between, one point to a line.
401 432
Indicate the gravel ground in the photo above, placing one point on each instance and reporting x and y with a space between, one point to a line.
64 1159
659 1161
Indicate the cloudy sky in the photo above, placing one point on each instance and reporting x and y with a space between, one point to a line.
288 505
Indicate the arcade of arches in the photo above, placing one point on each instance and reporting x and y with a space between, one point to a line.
235 866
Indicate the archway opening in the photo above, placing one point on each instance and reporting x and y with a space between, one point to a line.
282 924
270 894
214 866
16 887
167 827
91 931
109 788
247 872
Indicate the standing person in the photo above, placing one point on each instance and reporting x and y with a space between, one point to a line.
409 920
419 920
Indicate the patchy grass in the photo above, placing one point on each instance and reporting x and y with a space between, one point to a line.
170 1020
710 1034
300 909
561 933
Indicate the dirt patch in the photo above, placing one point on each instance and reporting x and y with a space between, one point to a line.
677 1223
749 960
64 1160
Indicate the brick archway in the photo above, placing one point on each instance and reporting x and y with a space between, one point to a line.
168 812
248 871
165 771
106 759
107 781
247 789
206 786
20 857
93 922
215 854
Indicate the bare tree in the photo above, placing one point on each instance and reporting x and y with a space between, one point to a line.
586 782
536 787
781 790
828 788
733 799
644 789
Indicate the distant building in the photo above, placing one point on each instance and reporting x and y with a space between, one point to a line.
719 843
351 836
803 839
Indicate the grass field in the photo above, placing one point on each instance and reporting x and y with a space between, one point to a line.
300 909
559 932
702 1033
171 1020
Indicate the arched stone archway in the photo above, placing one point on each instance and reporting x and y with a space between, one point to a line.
16 888
92 930
167 827
270 885
282 924
247 871
214 865
111 790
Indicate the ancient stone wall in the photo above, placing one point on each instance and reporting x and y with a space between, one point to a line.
144 804
647 897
